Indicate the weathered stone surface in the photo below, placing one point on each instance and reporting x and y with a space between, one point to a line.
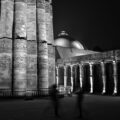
49 24
31 82
20 45
117 54
20 63
32 47
31 20
20 19
41 4
41 21
5 45
6 18
5 63
47 13
43 65
51 64
20 82
28 17
5 71
32 64
43 51
20 1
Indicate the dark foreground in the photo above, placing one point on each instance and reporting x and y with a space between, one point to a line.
94 108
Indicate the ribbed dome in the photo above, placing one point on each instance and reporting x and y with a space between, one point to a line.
64 40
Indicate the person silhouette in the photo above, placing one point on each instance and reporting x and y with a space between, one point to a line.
55 99
80 101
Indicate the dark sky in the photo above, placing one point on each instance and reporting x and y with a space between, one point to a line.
93 23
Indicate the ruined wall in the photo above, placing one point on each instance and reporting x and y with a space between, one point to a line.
6 24
27 54
50 40
20 47
51 64
42 45
6 18
31 46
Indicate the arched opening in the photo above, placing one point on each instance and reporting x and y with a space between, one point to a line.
97 76
61 76
76 77
68 73
86 78
118 76
109 78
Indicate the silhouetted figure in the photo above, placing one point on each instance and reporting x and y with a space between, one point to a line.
55 99
80 101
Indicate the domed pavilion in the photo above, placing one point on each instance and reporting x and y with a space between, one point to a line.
66 46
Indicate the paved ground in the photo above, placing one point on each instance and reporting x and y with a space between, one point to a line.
94 108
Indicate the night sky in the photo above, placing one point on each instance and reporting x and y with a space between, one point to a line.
95 24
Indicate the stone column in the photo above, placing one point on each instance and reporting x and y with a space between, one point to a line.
50 41
49 24
81 77
20 47
6 28
103 77
115 77
91 77
57 76
31 20
65 78
32 81
6 18
42 48
71 78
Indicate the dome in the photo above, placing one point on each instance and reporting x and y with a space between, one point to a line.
64 40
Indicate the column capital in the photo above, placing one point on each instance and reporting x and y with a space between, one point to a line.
65 70
57 67
114 61
91 63
71 65
65 67
80 64
102 63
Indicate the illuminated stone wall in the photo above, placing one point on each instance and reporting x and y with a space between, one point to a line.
5 63
42 46
31 45
20 47
6 24
51 64
6 18
50 40
32 65
27 61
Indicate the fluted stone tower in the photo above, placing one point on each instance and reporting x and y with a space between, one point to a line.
27 53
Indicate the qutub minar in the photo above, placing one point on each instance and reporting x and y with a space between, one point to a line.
27 55
31 61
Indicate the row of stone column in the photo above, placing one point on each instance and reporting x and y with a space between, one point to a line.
28 23
91 78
